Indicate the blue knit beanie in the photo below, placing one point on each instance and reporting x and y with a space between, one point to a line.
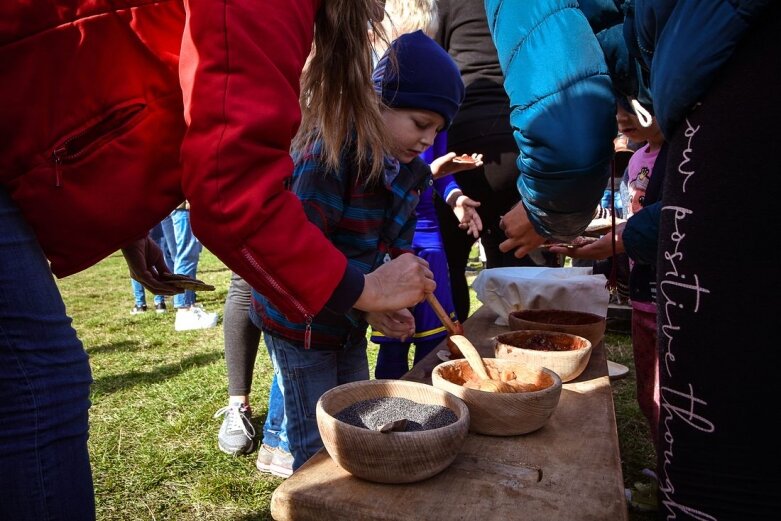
426 77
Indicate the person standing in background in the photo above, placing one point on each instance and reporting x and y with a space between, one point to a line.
157 234
482 124
187 252
237 434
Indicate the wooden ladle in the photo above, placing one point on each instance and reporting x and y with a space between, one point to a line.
478 366
453 328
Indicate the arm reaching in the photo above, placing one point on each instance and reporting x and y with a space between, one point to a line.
400 283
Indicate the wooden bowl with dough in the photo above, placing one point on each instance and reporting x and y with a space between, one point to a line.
502 413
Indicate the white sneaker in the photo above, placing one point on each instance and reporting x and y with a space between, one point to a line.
194 318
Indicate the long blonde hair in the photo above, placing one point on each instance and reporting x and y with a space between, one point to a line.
407 16
337 94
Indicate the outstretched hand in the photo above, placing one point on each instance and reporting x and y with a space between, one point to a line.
400 283
599 249
468 218
146 264
521 235
451 163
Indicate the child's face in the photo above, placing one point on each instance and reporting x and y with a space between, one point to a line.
411 131
629 125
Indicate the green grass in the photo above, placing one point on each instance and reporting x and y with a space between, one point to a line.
152 435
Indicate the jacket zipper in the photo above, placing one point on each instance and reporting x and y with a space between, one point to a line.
75 146
308 317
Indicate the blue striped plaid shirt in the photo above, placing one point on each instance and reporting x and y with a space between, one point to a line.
369 224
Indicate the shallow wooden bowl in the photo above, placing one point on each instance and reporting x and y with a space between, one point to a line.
587 325
565 354
392 457
502 414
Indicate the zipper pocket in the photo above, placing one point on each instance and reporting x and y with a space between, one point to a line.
78 145
308 317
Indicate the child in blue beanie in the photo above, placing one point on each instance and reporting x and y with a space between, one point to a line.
370 216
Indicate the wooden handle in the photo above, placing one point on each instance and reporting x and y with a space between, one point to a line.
452 329
471 355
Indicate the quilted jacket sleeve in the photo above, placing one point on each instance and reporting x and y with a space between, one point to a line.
689 41
563 109
240 68
641 234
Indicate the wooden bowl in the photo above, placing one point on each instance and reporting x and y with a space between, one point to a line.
392 457
565 354
587 325
502 414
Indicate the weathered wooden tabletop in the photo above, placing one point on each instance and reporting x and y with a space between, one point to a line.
568 470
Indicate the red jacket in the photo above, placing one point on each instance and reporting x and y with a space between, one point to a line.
93 125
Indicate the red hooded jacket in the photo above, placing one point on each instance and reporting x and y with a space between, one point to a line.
96 95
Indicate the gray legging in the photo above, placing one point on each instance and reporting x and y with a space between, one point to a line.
241 337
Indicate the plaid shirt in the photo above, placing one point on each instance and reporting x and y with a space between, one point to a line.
369 224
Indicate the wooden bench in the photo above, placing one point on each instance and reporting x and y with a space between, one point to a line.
568 470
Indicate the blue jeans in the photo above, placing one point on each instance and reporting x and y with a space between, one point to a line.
158 235
186 252
44 387
275 426
303 376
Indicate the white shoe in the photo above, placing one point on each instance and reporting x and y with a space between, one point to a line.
194 318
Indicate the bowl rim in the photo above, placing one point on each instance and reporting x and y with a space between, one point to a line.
589 345
461 418
557 381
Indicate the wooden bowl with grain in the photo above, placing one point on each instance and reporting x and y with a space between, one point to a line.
502 413
349 416
565 354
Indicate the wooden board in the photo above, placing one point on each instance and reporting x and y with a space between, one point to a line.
569 469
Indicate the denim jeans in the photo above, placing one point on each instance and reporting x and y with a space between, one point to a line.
275 426
187 251
158 235
303 376
44 387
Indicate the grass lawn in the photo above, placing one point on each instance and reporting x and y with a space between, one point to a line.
153 438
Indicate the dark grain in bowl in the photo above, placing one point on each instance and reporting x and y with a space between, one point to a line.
537 341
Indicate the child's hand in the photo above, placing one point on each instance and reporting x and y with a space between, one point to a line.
601 248
394 324
468 218
450 163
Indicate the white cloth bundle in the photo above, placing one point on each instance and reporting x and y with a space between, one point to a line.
572 289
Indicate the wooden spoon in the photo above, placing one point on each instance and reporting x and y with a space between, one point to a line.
399 425
478 366
453 328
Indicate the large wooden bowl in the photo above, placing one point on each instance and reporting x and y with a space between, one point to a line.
565 354
502 414
579 323
392 457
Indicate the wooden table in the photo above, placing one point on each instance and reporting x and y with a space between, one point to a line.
568 470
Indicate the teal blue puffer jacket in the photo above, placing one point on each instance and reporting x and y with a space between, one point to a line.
563 105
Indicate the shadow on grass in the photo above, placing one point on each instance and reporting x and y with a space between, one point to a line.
125 346
112 384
